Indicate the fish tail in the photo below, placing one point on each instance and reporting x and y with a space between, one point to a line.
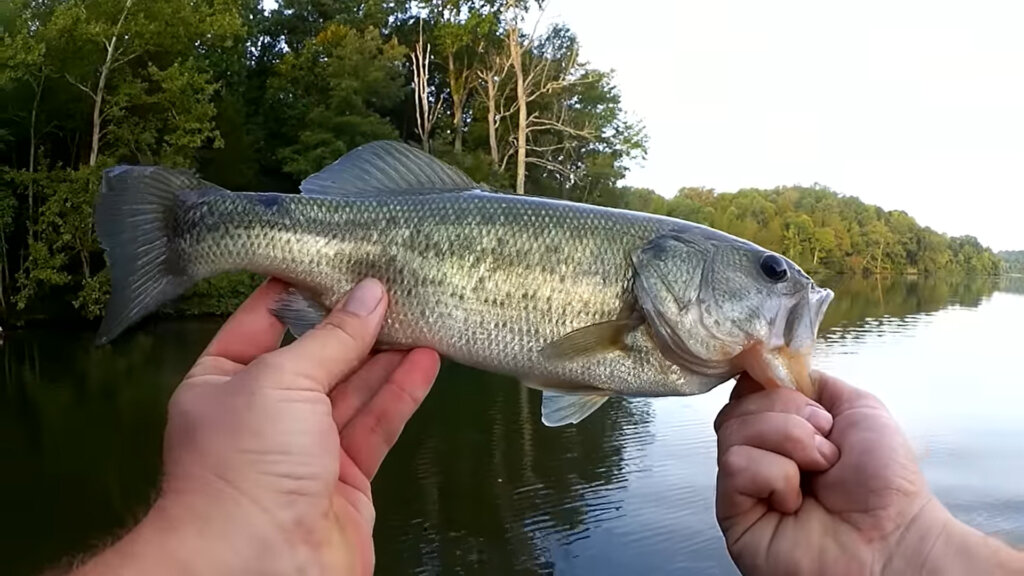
134 218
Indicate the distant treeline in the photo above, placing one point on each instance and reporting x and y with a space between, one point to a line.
1013 261
823 231
257 99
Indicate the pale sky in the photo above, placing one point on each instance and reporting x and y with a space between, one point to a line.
915 105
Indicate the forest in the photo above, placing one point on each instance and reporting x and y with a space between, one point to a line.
255 97
1013 261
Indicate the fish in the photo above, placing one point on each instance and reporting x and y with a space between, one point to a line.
579 301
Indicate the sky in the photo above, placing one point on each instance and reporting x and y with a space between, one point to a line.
911 105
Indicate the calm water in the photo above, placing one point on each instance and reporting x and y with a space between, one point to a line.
478 485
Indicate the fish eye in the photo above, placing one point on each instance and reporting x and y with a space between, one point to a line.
774 268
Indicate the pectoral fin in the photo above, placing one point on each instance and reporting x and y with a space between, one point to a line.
559 409
593 339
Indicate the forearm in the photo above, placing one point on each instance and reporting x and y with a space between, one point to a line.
937 544
169 541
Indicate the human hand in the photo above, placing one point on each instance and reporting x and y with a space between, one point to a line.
269 452
833 488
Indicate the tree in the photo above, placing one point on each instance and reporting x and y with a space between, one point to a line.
463 28
257 99
334 92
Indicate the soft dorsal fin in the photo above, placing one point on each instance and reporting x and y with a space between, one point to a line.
385 166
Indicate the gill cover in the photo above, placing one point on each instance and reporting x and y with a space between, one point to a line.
668 274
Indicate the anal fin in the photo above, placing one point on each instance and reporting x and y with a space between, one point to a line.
300 313
558 409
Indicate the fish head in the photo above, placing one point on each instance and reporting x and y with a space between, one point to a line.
719 305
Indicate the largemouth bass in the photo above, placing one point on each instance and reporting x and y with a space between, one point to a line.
580 301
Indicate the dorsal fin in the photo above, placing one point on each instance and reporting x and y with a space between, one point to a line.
382 167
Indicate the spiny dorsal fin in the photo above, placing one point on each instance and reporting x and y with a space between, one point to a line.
382 167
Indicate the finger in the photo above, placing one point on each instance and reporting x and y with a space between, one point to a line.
251 330
748 475
352 394
374 430
333 349
787 435
214 366
777 400
745 386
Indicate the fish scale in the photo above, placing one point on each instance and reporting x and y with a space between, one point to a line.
488 279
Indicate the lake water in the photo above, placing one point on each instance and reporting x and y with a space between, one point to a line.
478 485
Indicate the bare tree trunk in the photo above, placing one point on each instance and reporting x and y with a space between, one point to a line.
4 275
425 117
84 254
97 95
492 119
458 88
32 154
516 54
491 79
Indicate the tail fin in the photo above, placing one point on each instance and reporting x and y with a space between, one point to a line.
134 218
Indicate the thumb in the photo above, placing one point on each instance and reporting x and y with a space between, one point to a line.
339 344
838 396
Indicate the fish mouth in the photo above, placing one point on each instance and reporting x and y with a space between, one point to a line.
788 364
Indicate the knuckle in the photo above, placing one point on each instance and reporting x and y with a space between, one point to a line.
793 434
343 332
406 397
790 475
729 437
724 416
788 400
798 438
734 461
185 405
270 363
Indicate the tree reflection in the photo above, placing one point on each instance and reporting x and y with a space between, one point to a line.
82 429
859 299
1012 284
478 482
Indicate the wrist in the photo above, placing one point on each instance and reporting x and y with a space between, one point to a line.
175 538
935 543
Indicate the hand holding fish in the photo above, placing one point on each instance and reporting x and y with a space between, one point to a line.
834 488
269 452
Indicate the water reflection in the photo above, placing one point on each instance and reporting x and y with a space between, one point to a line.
861 299
1012 285
82 428
478 485
494 489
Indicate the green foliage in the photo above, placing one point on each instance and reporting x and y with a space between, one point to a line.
220 295
823 231
257 99
1013 261
331 95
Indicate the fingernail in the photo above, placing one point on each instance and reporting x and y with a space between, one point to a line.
819 418
364 297
828 450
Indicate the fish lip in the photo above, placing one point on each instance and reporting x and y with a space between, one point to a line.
820 299
787 364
